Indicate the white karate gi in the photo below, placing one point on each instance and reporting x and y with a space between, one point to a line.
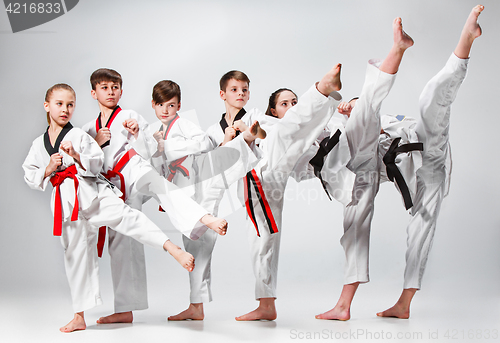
427 175
142 182
433 178
98 206
287 139
211 169
337 177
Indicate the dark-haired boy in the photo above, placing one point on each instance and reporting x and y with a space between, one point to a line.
184 154
287 139
117 132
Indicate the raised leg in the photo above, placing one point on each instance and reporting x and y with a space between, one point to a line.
433 176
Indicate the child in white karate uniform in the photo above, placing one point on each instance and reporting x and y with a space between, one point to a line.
81 202
286 141
185 155
118 132
431 179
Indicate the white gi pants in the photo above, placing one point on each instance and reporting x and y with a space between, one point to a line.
128 265
363 131
433 130
215 177
285 143
79 240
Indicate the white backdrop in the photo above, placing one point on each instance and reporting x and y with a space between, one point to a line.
278 44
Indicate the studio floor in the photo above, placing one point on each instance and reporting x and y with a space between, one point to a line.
437 316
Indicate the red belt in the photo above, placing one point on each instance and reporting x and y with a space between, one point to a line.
112 173
56 181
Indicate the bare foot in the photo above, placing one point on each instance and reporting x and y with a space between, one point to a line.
470 32
397 311
257 131
122 317
331 81
78 323
402 307
401 39
193 312
342 310
336 313
219 225
185 259
265 311
253 132
472 28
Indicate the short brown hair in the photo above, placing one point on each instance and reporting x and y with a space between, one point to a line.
56 87
105 75
165 90
233 74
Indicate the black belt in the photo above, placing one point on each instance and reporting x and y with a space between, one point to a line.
393 171
318 160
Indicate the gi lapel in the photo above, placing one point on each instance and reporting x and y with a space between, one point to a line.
223 122
98 124
46 139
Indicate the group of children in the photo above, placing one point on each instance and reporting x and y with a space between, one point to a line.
103 173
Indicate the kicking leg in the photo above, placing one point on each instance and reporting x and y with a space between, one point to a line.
184 213
433 130
363 126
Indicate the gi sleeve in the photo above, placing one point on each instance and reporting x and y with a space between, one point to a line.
189 139
91 156
34 168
